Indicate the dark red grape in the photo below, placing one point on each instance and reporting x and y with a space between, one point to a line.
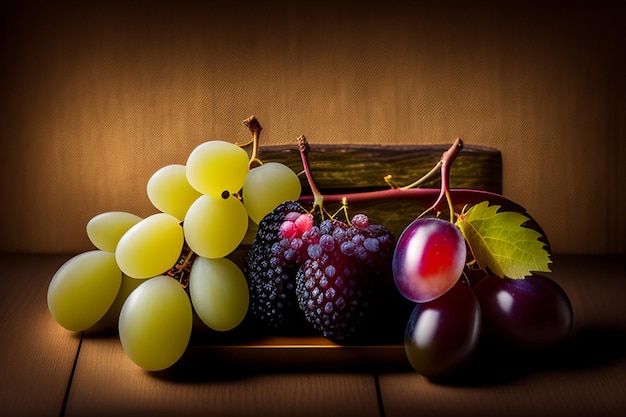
528 313
429 259
442 334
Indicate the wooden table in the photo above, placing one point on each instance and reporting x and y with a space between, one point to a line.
47 370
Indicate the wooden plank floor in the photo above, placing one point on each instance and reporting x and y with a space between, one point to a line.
46 370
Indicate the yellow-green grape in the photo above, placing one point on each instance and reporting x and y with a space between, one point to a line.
83 289
217 166
170 192
151 247
219 293
155 323
108 322
267 186
215 226
106 229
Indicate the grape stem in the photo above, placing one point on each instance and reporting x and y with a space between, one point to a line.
463 196
468 196
255 127
181 270
446 163
409 191
318 197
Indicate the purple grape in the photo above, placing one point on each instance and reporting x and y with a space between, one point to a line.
429 259
442 334
529 313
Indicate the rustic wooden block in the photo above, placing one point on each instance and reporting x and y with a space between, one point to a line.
363 167
339 169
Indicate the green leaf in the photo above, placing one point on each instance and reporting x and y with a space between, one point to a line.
500 242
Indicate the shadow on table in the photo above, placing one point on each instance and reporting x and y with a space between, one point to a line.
587 348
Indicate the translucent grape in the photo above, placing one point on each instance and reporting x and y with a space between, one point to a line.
217 166
429 259
170 192
442 334
155 323
151 247
106 229
83 289
219 292
215 226
267 186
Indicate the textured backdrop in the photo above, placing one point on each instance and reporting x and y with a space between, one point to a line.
96 96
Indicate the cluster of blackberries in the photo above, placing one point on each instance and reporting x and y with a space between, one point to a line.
329 272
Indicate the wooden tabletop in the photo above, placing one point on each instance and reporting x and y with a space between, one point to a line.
46 370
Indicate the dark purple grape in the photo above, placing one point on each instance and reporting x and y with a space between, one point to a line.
428 259
529 313
442 334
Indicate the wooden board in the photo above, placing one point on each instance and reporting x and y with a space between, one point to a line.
36 354
342 169
363 167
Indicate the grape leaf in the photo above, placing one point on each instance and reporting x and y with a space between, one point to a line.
500 242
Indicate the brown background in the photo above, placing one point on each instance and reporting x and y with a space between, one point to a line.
96 96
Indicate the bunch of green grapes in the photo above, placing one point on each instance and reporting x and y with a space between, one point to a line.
205 209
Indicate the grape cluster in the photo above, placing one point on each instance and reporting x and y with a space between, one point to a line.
150 275
338 270
452 315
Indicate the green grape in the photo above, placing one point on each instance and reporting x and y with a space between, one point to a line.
170 192
155 323
215 226
151 247
217 166
83 289
219 292
106 229
267 186
108 322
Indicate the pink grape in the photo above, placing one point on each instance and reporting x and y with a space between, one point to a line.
429 259
529 313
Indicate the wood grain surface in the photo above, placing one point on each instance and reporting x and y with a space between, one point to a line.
37 355
46 370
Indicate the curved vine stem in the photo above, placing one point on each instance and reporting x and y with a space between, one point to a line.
446 163
443 194
427 177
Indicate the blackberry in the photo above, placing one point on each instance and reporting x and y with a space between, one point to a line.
371 244
332 289
271 277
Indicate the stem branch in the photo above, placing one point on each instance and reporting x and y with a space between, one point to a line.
467 196
255 127
446 163
318 198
